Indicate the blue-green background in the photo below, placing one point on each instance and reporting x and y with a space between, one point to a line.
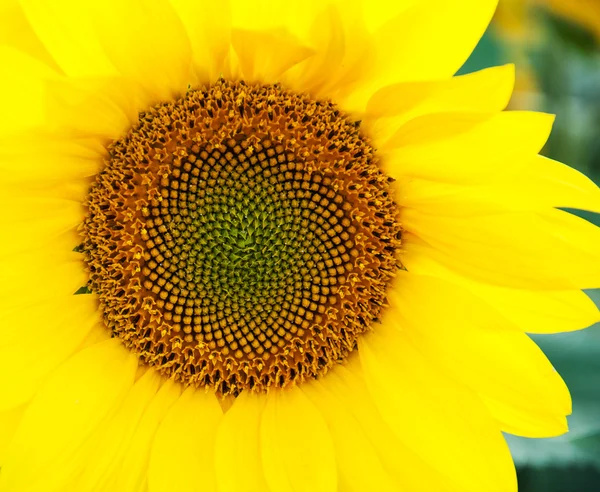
565 64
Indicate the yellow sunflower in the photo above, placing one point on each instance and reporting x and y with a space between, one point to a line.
275 246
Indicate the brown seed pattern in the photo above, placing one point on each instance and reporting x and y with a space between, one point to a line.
241 237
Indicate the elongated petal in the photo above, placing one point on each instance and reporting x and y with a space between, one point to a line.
189 429
358 464
265 56
521 421
16 31
61 272
271 15
547 250
35 344
486 91
465 147
423 42
329 38
23 91
113 101
66 29
540 184
133 471
533 311
105 451
9 423
445 423
32 222
408 470
208 26
68 409
563 186
237 451
491 86
295 444
473 343
146 41
42 164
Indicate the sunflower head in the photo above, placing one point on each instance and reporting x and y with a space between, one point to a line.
305 255
241 237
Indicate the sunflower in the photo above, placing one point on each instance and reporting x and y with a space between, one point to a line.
275 246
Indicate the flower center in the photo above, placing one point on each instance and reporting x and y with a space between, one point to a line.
241 237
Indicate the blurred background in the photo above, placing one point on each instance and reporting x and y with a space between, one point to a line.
556 47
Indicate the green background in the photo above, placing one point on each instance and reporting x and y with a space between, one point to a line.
565 66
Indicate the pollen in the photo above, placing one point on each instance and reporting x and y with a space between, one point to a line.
241 237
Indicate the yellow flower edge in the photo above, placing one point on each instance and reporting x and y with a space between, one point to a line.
487 254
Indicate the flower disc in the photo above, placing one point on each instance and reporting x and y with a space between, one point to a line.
241 237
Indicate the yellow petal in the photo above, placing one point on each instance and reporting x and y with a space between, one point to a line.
208 27
408 470
189 430
465 147
266 55
38 163
442 421
358 464
333 33
22 91
532 311
54 241
547 250
424 41
488 90
61 273
146 41
438 46
521 421
26 211
328 38
491 87
9 422
143 39
562 186
66 28
16 31
112 101
237 452
473 343
541 184
296 448
43 454
105 451
339 33
31 222
36 344
269 15
133 470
